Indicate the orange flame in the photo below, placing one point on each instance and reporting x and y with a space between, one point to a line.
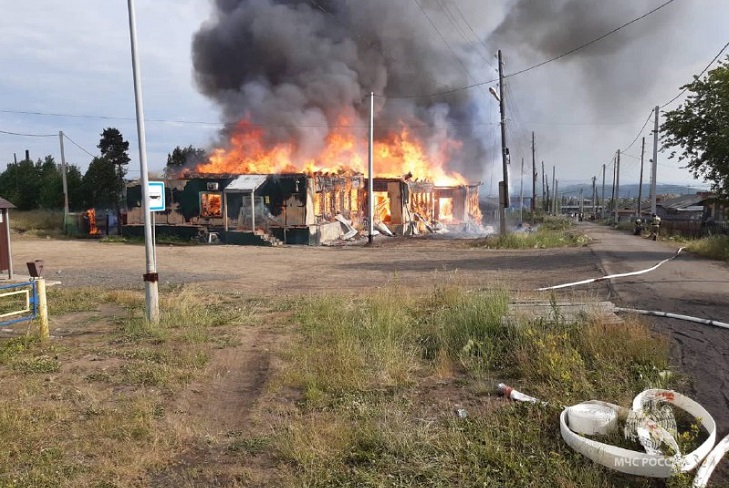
397 155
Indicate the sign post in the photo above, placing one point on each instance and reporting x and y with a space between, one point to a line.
156 192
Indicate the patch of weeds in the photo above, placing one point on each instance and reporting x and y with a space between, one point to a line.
39 364
250 445
14 347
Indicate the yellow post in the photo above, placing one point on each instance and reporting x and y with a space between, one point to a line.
40 289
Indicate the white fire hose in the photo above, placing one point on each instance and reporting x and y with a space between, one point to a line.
688 318
712 460
609 277
654 465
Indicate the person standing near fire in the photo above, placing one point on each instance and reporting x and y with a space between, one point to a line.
655 226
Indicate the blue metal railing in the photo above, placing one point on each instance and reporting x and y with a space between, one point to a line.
27 313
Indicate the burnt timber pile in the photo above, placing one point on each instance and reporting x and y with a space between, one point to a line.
309 209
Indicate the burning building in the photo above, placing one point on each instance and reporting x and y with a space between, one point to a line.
303 208
292 79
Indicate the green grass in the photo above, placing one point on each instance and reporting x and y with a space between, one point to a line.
542 238
379 377
714 247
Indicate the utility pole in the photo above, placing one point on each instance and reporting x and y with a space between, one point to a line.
594 194
602 204
617 188
553 208
521 193
504 186
534 177
612 198
65 183
545 195
371 170
655 161
557 198
640 184
582 202
151 277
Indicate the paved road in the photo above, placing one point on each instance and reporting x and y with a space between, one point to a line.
688 285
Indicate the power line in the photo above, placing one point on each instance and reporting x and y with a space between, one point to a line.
27 135
696 77
539 65
640 131
77 145
233 124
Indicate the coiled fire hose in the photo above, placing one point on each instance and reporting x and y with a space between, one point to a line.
644 421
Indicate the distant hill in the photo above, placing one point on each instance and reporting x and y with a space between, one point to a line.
631 190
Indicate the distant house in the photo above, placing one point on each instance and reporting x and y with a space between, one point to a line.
694 208
695 215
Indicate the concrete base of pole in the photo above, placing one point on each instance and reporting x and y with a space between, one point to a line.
151 292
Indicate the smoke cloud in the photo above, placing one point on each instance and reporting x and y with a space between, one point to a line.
299 66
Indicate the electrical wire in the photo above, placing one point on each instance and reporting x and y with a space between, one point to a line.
640 132
26 135
77 145
696 77
539 65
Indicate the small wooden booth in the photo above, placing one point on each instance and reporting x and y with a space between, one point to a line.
6 257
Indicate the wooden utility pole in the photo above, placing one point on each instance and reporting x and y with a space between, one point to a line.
640 184
534 177
602 204
521 193
594 194
553 209
617 187
545 195
612 198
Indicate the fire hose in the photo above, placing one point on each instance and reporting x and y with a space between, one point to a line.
609 277
645 422
687 318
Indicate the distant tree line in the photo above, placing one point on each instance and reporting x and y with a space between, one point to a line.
32 185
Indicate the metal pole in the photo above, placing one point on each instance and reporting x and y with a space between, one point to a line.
521 193
640 184
151 277
371 171
534 177
617 187
65 182
655 162
504 186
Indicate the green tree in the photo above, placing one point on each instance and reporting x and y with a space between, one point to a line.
182 157
114 149
76 196
50 191
19 183
101 184
698 131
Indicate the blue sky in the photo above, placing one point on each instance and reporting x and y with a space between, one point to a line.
72 59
